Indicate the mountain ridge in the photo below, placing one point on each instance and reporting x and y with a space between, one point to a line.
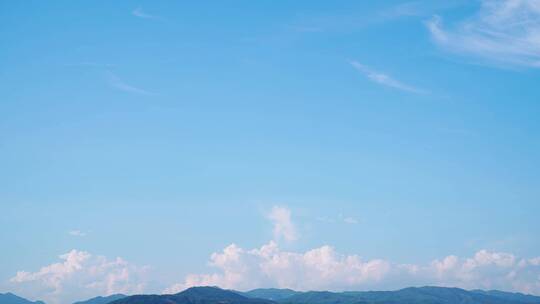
194 295
216 295
423 295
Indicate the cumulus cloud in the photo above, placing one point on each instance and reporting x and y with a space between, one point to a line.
79 274
502 32
325 269
284 228
384 79
268 265
488 270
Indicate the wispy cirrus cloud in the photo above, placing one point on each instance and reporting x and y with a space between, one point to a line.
384 79
418 8
503 32
140 13
353 20
117 83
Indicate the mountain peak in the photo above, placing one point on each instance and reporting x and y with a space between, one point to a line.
195 295
209 292
102 299
11 298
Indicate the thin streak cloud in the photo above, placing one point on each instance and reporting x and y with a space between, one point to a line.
385 80
138 12
117 83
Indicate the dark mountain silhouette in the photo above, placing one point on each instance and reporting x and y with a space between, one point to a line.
412 295
514 296
9 298
102 300
194 295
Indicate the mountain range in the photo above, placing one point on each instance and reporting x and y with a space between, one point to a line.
215 295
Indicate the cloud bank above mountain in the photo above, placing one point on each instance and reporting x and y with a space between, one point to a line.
79 275
324 268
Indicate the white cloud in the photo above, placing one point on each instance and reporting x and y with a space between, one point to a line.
138 12
283 225
77 233
504 32
325 269
385 80
79 275
119 84
318 268
488 270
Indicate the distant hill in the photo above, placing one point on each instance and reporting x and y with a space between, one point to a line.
412 295
9 298
194 295
321 297
102 300
514 296
273 294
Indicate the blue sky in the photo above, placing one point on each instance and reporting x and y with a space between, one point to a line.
378 145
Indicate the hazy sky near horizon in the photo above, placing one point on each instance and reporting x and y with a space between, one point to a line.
149 146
